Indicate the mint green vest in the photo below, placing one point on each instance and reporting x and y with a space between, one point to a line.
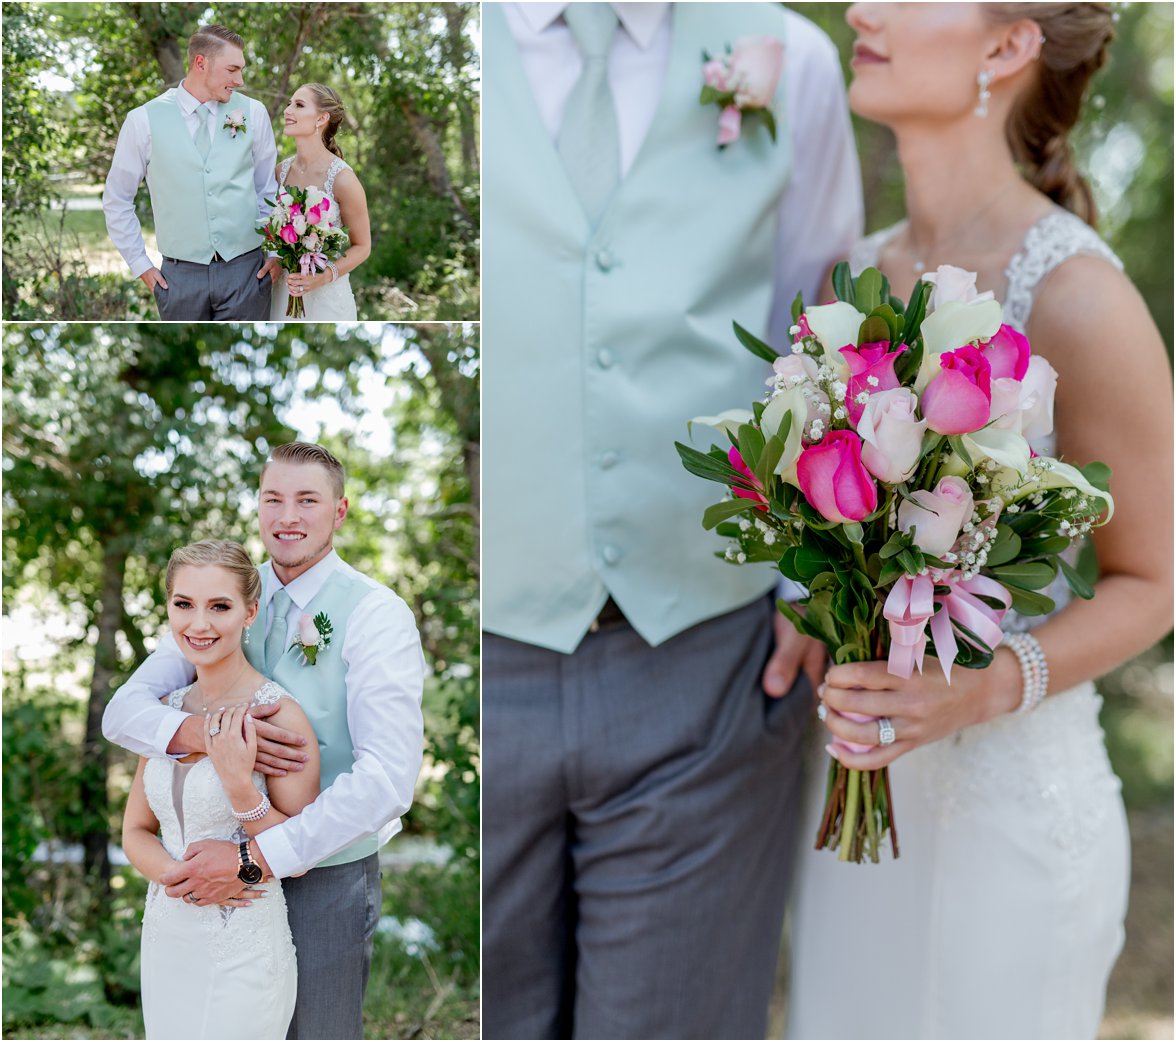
321 689
207 206
600 346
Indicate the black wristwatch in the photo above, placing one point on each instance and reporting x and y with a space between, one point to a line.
250 871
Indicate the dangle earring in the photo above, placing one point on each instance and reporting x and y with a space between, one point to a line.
245 638
983 80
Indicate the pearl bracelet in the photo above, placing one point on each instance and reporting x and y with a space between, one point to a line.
258 812
334 270
1034 669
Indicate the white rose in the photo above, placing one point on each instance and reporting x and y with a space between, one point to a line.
953 283
313 196
892 435
299 222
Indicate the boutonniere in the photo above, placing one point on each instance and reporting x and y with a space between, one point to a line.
314 635
235 121
742 83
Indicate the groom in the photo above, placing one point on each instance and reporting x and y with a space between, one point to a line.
639 789
362 695
208 157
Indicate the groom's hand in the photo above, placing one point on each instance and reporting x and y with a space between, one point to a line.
153 277
793 652
209 870
278 750
270 267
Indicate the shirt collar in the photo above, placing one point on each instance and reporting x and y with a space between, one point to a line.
640 20
187 102
305 587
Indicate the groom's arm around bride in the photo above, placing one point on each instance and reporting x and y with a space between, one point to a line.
207 153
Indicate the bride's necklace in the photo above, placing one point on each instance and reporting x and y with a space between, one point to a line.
920 254
205 708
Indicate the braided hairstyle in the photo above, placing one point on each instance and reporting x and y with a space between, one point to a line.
328 101
1076 40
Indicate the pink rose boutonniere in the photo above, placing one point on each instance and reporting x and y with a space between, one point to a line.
234 122
314 635
742 83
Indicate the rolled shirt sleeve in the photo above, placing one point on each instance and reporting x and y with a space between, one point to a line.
385 681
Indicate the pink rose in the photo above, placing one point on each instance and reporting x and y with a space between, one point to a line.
937 516
730 120
833 479
959 399
802 329
1007 353
870 362
714 74
313 216
1037 399
756 63
296 208
307 631
892 434
1005 409
736 461
311 241
288 234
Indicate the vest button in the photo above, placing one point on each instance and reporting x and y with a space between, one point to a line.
604 358
605 260
609 460
611 555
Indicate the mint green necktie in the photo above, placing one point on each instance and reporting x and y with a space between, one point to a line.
203 134
275 643
588 141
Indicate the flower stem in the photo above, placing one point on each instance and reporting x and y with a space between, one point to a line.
849 819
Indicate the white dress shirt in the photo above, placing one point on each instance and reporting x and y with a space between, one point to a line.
385 677
820 214
132 154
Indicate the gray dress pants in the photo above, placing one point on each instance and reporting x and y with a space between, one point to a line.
639 810
333 913
220 291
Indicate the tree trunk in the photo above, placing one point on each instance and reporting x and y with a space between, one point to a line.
96 840
455 18
162 29
438 173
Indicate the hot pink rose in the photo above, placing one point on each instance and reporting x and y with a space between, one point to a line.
296 208
307 631
958 400
833 479
937 516
714 74
870 362
288 234
1007 353
730 120
736 461
313 216
891 433
756 63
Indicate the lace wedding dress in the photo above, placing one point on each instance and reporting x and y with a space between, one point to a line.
333 302
211 972
1004 915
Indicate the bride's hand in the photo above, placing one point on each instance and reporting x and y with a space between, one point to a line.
923 709
299 284
233 747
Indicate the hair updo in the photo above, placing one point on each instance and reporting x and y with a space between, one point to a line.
1076 40
224 554
328 101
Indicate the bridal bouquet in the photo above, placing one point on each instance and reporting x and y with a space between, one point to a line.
300 233
888 470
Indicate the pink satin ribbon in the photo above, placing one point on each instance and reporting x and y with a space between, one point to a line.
308 261
912 603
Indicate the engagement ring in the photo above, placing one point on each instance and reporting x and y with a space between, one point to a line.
214 729
822 712
885 731
191 897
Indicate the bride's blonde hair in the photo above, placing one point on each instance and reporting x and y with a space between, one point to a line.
223 553
1076 40
328 101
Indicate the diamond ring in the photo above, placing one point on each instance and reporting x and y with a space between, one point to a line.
822 712
214 729
886 733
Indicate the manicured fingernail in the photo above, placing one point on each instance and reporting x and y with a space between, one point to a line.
832 751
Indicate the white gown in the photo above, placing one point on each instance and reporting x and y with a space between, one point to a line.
1004 914
211 972
333 302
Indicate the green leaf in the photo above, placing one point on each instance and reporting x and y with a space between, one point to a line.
801 564
1026 602
911 561
751 445
873 330
843 283
797 307
728 508
916 311
754 344
1098 474
1029 575
906 367
1006 547
769 118
766 468
868 290
1049 546
1075 580
897 542
707 467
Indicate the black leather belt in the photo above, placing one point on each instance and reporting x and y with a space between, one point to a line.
216 259
610 615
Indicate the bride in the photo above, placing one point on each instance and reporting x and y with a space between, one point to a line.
1004 915
216 971
312 118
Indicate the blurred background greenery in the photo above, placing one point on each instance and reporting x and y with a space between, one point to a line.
1124 147
408 74
123 442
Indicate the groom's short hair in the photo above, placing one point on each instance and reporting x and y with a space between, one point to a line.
306 452
209 39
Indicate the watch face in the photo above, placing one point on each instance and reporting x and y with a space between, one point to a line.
249 874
